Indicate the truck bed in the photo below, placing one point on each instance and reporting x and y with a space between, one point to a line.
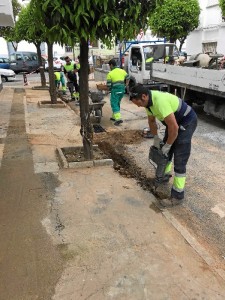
197 79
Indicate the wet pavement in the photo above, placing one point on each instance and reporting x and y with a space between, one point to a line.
87 233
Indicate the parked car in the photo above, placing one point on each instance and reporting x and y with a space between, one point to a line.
58 62
4 63
6 74
24 62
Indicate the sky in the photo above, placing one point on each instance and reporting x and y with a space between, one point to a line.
23 2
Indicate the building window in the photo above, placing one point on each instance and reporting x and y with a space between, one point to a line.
209 48
68 48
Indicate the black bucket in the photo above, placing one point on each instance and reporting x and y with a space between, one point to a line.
96 96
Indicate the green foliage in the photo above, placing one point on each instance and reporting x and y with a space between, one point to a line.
26 27
70 21
174 19
222 6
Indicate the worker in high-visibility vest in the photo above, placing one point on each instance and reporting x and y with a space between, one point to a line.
149 60
59 78
180 121
116 84
70 70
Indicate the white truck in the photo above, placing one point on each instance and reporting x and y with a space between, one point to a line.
191 82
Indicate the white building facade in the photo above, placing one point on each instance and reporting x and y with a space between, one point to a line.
6 13
209 36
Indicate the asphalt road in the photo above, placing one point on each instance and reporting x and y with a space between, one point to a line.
18 81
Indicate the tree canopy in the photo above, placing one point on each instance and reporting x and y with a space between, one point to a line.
84 20
222 6
99 19
26 29
174 20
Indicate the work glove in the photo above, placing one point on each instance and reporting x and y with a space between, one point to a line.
165 149
157 141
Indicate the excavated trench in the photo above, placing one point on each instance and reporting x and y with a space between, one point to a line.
113 144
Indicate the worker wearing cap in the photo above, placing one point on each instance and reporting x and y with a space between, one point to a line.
116 84
180 121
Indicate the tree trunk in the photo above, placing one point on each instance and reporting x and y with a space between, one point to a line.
182 40
41 68
11 47
52 87
86 126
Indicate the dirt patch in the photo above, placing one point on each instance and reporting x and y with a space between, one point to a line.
114 144
76 154
119 137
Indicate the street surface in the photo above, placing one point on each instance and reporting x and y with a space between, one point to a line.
91 233
18 81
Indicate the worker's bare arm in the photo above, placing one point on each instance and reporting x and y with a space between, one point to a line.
152 125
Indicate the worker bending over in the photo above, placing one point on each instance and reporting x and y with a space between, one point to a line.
180 121
59 78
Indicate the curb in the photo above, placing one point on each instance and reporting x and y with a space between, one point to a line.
191 240
44 88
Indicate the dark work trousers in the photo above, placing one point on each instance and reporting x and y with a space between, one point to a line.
73 79
181 150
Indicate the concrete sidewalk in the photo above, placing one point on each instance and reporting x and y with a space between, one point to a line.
114 242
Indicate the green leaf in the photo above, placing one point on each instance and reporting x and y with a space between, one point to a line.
92 14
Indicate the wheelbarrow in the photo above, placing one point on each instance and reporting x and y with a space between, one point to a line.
95 105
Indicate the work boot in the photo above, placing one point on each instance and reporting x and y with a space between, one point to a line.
118 122
170 202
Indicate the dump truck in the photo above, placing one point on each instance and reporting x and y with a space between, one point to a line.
198 80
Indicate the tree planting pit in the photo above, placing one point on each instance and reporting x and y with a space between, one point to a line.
49 104
40 88
73 157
